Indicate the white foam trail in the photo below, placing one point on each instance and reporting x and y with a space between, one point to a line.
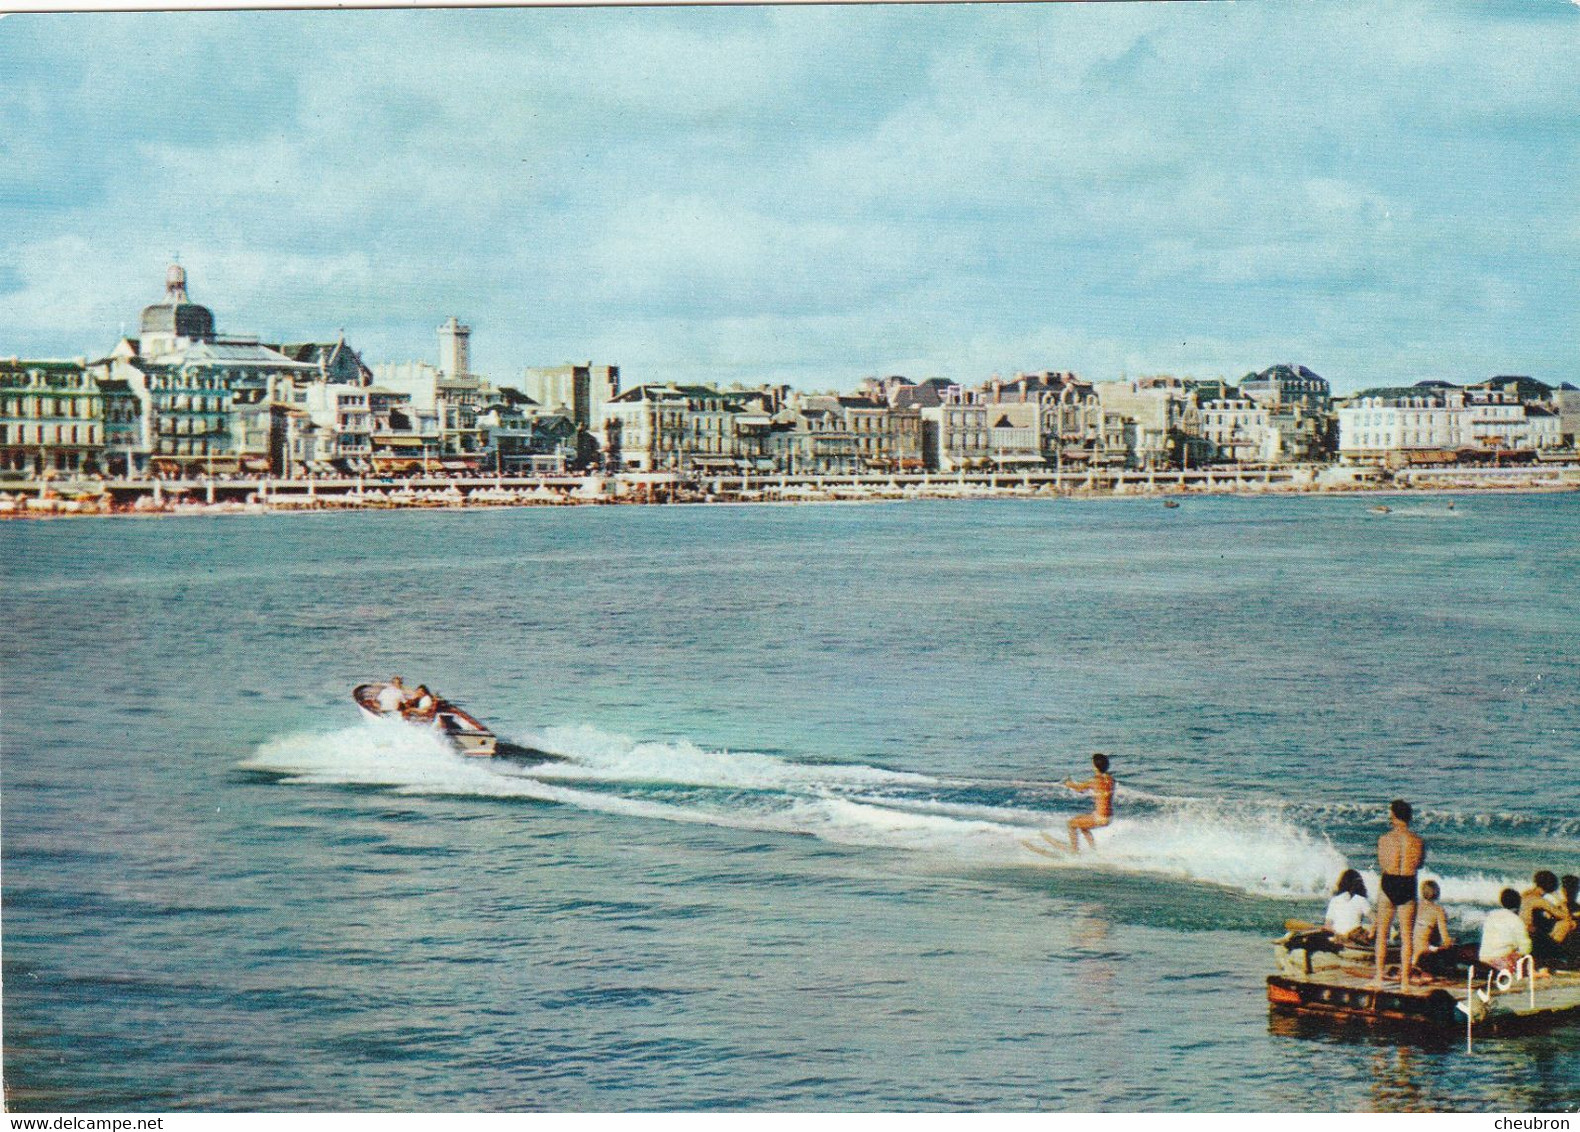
1004 815
1352 813
410 760
1268 857
598 755
1256 850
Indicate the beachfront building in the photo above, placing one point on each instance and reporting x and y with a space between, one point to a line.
207 402
577 391
449 393
1069 421
812 437
519 437
402 438
883 438
1513 414
961 425
343 427
693 428
1237 430
1153 411
123 427
1048 420
1426 419
682 428
1436 422
1015 436
51 417
1566 404
452 401
1285 386
206 405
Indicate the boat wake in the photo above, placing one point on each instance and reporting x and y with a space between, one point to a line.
1262 851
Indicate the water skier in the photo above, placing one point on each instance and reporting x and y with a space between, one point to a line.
1101 787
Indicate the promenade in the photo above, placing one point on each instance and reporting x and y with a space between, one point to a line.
40 499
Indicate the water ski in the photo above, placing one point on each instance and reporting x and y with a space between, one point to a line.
1051 848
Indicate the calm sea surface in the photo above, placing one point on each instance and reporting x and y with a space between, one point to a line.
776 862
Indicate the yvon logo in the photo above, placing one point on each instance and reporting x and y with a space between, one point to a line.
1504 981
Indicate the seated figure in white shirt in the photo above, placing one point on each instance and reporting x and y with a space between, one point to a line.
1349 909
392 697
1504 938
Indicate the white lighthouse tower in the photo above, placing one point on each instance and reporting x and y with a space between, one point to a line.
455 348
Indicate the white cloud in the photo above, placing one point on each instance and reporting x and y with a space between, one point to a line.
811 191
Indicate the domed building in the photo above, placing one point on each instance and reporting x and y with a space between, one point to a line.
207 401
177 321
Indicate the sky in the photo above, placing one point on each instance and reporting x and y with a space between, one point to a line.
1385 193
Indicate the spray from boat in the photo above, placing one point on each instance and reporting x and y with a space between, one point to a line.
1262 851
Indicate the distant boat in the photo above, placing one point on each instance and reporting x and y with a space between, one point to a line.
1381 509
463 731
1171 503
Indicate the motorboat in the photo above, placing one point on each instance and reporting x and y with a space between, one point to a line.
459 727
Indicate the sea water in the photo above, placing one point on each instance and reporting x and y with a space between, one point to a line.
760 846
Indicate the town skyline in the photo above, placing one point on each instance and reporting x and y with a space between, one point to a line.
809 197
511 373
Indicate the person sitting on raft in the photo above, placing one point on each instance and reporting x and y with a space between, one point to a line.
1348 910
1569 946
1504 940
1342 923
1547 917
1435 953
1101 787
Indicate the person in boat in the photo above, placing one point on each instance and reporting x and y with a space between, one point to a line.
1101 787
392 697
1546 916
1400 854
1504 939
421 707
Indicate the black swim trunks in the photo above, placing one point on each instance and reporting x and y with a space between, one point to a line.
1399 889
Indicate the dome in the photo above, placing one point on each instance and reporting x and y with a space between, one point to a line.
177 316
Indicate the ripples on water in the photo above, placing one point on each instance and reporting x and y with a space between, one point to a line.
775 859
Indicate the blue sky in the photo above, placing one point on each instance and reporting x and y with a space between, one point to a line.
812 194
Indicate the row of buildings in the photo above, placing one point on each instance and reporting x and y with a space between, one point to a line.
182 398
1056 421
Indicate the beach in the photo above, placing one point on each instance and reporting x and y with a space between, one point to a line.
263 496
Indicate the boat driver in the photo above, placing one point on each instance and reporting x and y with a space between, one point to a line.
392 697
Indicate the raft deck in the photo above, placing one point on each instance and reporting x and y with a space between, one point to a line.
1347 993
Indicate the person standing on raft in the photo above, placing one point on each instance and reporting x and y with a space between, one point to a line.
1400 853
1101 787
